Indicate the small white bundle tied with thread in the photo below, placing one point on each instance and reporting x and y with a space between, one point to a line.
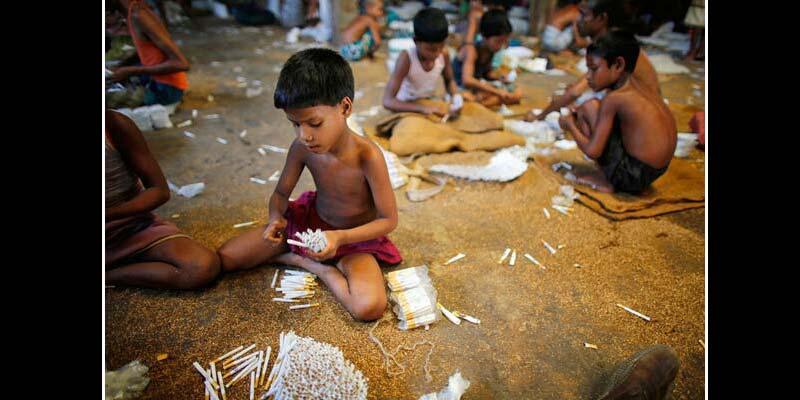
313 240
456 387
307 369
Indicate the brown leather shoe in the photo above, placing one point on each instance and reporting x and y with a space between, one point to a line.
649 375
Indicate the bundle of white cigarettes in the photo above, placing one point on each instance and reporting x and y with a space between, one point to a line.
307 369
295 286
313 240
238 365
413 297
563 202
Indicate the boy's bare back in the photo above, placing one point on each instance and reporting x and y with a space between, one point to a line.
344 197
646 123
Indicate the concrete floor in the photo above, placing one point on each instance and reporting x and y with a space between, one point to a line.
530 343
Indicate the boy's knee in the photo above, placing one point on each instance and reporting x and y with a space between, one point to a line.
369 309
200 270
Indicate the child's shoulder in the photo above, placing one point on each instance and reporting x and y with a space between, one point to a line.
367 149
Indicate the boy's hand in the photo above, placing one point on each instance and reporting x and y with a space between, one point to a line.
566 121
512 97
332 237
120 74
275 231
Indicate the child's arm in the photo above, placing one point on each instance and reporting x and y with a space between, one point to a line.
375 29
579 40
448 75
279 201
374 166
130 144
155 31
571 93
474 19
469 68
594 142
390 101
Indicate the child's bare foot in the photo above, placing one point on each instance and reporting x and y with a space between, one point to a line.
307 264
596 182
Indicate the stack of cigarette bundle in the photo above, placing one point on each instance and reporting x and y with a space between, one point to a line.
235 366
307 369
413 297
296 285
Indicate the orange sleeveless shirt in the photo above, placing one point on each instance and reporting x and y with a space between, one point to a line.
150 54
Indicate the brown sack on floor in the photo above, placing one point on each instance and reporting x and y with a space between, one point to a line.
417 134
473 118
682 187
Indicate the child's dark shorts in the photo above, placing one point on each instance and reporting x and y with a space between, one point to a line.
622 170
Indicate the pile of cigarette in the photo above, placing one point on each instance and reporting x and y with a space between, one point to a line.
239 365
412 296
513 258
563 202
313 240
295 285
456 317
307 369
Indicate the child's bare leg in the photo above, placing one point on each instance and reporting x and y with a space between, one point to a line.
179 263
586 118
249 250
356 282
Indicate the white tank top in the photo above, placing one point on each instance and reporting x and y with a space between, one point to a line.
418 83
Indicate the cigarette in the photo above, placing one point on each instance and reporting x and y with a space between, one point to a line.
221 140
297 307
203 372
274 278
243 224
636 313
188 134
576 265
455 258
281 299
194 113
559 209
448 314
296 243
467 317
546 213
252 384
211 116
239 361
243 373
533 260
257 180
275 148
227 354
445 118
549 248
260 150
222 386
210 390
589 345
505 254
513 258
213 371
702 344
299 273
236 370
275 176
264 368
239 354
561 246
186 123
243 134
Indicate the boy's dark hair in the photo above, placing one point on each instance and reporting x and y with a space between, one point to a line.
505 4
617 43
312 77
430 25
494 23
614 9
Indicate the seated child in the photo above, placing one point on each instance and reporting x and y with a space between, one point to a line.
362 37
354 204
142 249
418 70
631 132
561 29
163 67
473 63
597 18
476 10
